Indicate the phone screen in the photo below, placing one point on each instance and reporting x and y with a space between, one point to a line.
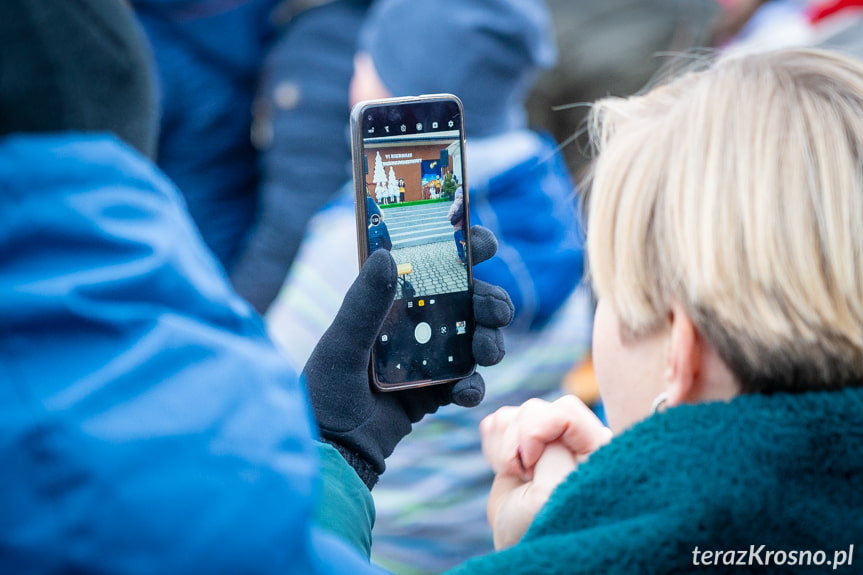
412 200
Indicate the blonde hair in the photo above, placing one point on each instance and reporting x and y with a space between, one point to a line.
737 192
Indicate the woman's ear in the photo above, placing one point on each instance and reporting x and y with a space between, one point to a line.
684 359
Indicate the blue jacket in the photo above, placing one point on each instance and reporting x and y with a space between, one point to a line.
208 56
302 113
531 206
147 423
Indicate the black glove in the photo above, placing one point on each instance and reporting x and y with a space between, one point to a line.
365 425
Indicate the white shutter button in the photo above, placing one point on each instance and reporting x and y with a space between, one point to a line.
423 332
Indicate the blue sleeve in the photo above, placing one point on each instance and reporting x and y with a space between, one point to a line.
532 209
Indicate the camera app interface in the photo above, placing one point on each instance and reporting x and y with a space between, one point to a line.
415 208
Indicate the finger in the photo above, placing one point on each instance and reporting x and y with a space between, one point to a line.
567 420
488 346
350 337
498 420
490 429
468 392
492 306
483 244
419 402
509 459
500 440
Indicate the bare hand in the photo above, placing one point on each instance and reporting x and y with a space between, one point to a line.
532 448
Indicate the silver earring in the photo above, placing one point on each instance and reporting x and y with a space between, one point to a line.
659 402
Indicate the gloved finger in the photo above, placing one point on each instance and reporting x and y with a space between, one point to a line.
345 346
492 306
468 392
483 244
488 346
417 403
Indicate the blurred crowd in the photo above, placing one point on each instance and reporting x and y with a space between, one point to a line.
274 210
252 100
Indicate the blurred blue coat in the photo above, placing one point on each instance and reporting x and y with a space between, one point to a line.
208 55
301 120
532 208
147 423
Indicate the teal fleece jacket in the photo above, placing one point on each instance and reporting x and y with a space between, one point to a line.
781 471
762 484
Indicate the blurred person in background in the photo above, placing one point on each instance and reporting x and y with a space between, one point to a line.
147 422
833 24
431 501
208 56
254 101
301 133
611 48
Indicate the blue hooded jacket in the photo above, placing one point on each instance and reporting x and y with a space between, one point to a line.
147 423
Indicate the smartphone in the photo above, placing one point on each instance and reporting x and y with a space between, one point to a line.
412 200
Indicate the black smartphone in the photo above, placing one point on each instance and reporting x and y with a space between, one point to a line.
412 200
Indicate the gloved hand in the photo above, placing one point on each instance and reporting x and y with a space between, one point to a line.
365 425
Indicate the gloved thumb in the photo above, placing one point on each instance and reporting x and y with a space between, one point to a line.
349 339
468 392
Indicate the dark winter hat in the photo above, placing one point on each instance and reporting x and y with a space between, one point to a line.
486 52
75 65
